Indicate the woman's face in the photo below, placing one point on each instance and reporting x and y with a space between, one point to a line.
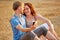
27 10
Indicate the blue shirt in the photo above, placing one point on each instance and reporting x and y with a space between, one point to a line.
17 21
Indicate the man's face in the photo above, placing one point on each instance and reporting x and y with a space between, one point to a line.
20 8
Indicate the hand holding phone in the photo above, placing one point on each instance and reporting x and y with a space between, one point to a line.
33 23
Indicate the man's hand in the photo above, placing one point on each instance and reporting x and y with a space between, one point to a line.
34 25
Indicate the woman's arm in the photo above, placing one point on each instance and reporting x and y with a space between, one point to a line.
46 21
49 24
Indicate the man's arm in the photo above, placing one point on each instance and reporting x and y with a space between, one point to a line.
19 27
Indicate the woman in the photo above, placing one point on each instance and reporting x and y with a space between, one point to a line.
31 17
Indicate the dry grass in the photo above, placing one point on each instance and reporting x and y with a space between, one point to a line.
48 8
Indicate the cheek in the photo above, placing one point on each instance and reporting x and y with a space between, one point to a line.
20 8
29 10
25 11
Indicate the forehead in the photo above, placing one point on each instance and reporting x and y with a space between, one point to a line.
26 6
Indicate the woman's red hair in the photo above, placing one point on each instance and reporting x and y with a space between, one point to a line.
31 8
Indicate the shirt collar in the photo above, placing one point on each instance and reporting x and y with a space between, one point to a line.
20 15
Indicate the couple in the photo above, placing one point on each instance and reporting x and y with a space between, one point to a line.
24 24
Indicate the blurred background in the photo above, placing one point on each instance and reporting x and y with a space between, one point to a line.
47 8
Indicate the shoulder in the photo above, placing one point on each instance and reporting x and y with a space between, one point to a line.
24 16
37 16
13 19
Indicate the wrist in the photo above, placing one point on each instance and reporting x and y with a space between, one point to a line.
33 27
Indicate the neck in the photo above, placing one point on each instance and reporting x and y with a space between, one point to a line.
29 15
17 13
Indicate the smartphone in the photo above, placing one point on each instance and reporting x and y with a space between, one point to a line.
33 23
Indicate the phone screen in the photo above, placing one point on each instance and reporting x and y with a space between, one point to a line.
33 23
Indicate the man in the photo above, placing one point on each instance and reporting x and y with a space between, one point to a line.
18 23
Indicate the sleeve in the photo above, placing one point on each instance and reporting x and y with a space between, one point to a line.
14 23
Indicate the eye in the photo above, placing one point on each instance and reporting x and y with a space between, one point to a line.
26 9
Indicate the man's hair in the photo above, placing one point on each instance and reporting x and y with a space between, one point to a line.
16 5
